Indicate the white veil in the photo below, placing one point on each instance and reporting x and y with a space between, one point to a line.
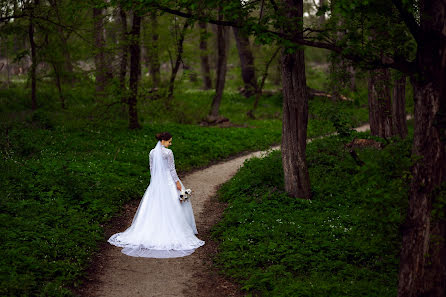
159 228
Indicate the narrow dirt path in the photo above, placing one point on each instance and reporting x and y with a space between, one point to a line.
116 274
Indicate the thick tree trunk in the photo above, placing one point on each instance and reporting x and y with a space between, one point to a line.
423 262
124 48
222 44
380 108
178 60
153 53
33 57
246 62
135 70
102 75
204 57
295 111
399 107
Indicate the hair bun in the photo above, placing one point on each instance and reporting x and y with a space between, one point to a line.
163 136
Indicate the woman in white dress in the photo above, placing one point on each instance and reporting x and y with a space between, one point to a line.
163 226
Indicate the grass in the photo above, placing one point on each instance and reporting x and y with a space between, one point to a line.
67 172
343 242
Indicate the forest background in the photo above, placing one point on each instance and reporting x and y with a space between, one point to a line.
85 85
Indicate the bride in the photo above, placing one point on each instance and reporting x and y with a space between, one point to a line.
163 226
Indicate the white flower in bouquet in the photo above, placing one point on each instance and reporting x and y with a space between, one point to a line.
185 194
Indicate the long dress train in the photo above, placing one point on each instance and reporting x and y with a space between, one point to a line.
162 227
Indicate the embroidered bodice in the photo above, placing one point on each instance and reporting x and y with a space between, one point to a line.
168 155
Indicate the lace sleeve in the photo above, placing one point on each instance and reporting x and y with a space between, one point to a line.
171 164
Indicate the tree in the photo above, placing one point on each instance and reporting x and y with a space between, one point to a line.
135 69
222 45
204 56
154 63
250 113
124 47
399 106
295 106
246 62
103 74
380 106
33 54
176 65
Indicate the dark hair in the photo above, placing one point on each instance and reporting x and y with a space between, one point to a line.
163 136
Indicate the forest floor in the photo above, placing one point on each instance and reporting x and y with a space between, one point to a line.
115 274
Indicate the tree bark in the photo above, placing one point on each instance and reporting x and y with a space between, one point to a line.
178 60
153 53
380 108
102 75
135 70
222 45
399 107
67 70
204 57
246 62
59 84
33 56
124 48
422 261
295 110
250 113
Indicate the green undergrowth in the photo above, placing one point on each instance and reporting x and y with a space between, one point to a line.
66 172
343 242
59 187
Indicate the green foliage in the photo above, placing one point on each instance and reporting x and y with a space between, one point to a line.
59 186
67 172
343 242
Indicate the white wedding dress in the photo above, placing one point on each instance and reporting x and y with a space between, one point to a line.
162 227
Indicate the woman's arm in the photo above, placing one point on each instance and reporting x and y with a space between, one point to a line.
173 172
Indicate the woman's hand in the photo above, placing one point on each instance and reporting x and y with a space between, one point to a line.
178 186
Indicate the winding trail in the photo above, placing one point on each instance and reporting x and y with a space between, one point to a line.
117 275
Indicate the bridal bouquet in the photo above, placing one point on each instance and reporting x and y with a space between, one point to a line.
184 194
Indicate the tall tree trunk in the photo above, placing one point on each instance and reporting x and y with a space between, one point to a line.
422 258
204 57
322 16
99 57
352 73
222 45
246 62
59 84
124 48
399 107
67 71
295 110
154 53
135 70
250 113
380 108
178 60
33 56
